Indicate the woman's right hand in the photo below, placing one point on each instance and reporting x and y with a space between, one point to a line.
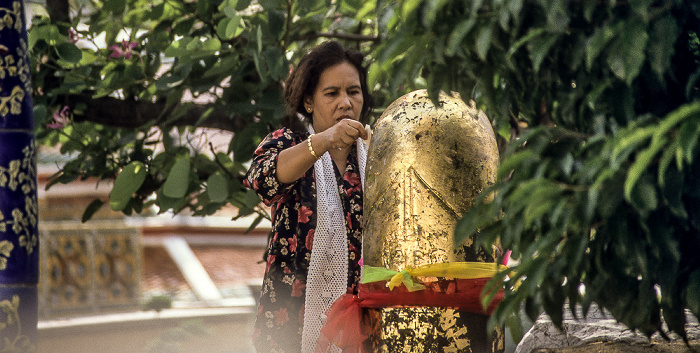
340 136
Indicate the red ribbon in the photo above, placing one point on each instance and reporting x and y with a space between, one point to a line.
344 327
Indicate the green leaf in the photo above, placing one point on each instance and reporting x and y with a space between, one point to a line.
514 161
46 33
225 161
88 57
691 86
479 215
627 53
367 8
674 118
243 144
688 135
242 4
40 113
209 45
254 224
673 193
644 159
693 293
178 47
541 201
539 48
458 34
165 203
557 17
684 145
632 140
483 41
133 72
228 7
661 46
177 183
430 12
171 80
69 52
205 8
278 68
115 7
598 42
515 326
311 7
230 27
533 33
217 187
127 182
665 161
408 7
643 196
92 208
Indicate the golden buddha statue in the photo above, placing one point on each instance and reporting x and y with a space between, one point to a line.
425 167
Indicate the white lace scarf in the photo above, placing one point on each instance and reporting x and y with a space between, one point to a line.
328 268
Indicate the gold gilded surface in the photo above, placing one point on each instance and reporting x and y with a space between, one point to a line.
430 329
425 167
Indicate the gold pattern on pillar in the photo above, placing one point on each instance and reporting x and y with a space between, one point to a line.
20 176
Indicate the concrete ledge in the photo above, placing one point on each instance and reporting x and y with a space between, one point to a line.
226 329
128 320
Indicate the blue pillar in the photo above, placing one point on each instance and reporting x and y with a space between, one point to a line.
19 252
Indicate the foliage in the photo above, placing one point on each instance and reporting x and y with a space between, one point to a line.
157 303
598 199
598 190
124 86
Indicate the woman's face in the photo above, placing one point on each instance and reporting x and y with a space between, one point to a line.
338 96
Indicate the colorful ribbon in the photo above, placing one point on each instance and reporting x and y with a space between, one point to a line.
460 287
462 270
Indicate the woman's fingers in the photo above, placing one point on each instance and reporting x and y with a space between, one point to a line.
344 133
355 128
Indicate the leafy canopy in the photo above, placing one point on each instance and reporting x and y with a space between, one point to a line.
595 103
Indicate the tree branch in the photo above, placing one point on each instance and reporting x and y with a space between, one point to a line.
345 36
131 114
59 10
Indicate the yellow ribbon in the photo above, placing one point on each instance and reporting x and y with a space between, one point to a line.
463 270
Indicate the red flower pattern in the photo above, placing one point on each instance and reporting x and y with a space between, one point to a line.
293 243
310 238
304 213
298 288
293 207
281 316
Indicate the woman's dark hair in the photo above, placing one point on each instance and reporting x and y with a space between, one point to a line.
302 81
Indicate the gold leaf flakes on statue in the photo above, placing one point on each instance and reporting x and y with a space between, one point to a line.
426 165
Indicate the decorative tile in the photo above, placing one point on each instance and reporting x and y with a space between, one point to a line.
89 268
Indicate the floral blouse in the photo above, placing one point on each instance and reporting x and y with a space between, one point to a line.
280 316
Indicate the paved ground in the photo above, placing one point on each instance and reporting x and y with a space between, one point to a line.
608 347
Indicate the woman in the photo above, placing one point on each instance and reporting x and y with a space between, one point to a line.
311 178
